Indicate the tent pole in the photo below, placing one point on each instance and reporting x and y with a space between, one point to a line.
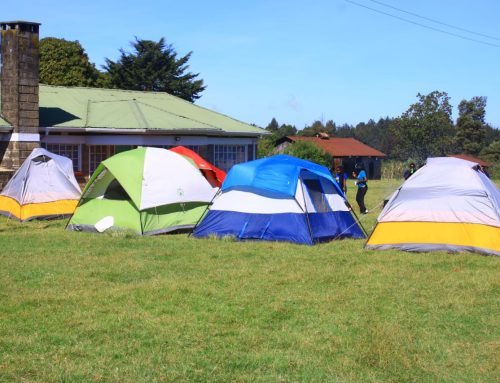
307 213
203 215
368 239
25 182
358 220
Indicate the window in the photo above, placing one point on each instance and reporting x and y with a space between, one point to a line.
194 148
160 146
225 156
97 154
73 152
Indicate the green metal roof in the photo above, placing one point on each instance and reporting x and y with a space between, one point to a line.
74 107
4 123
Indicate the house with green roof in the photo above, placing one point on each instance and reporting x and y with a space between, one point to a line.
90 124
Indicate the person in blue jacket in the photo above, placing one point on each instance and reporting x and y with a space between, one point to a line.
362 184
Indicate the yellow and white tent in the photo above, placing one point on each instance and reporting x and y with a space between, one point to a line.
43 187
448 204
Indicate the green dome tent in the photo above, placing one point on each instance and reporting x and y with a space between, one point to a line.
145 190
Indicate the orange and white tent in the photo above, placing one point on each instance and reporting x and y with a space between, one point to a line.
43 187
213 174
448 204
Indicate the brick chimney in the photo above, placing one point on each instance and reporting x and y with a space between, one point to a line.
19 91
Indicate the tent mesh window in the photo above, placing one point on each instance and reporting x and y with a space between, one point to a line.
40 159
317 196
115 191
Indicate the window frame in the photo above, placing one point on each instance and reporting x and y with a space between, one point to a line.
109 151
222 152
51 146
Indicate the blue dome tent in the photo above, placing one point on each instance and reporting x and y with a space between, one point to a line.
280 198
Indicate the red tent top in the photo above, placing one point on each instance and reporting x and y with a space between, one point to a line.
213 174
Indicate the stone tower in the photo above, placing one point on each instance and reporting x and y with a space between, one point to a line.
19 91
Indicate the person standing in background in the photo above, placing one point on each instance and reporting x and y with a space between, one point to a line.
409 172
341 178
362 184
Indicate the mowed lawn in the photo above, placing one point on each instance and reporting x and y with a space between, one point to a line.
79 307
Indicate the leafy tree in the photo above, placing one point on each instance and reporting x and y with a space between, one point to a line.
266 144
280 131
425 129
154 66
65 63
309 151
471 128
104 80
286 130
313 130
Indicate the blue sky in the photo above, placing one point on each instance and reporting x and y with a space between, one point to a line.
298 61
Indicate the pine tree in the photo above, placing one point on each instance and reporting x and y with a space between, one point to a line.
154 66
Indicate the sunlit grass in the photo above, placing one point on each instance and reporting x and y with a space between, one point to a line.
80 307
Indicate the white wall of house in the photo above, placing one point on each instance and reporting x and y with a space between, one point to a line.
87 151
144 140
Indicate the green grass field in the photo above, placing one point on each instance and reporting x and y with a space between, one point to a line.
79 307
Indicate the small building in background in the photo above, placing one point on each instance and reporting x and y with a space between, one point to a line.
346 152
484 165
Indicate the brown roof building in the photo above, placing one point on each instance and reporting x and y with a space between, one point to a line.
468 157
345 152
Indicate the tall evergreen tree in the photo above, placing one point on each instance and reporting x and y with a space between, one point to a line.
471 128
273 126
492 134
345 130
154 66
331 128
366 132
491 153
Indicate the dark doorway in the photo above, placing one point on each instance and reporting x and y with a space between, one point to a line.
317 196
371 170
